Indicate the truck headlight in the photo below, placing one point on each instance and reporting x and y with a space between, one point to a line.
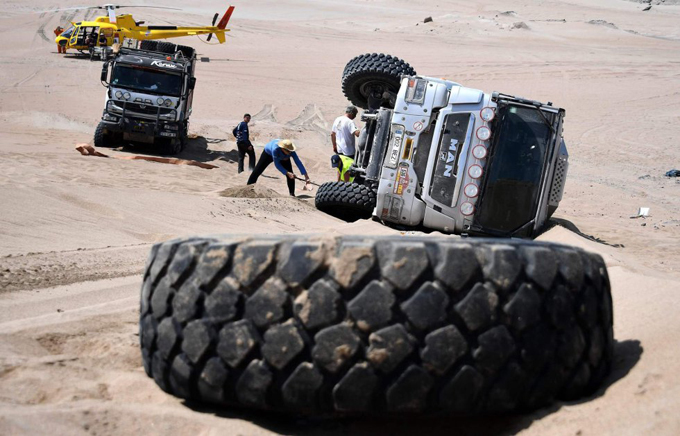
170 115
171 126
475 171
415 93
109 117
168 102
483 133
119 95
127 96
159 101
479 152
487 114
467 209
471 190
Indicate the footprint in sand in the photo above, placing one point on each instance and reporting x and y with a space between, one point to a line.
310 118
267 113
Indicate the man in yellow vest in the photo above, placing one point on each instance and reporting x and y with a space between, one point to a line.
343 164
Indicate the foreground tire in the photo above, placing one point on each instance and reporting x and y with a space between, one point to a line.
103 138
375 324
374 77
348 201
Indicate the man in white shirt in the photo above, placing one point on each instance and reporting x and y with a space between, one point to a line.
344 132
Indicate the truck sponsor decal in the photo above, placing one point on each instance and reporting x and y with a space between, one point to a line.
163 64
402 179
449 157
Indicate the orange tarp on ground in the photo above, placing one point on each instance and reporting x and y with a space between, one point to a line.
88 150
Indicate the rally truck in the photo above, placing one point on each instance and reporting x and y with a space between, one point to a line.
149 94
436 154
395 325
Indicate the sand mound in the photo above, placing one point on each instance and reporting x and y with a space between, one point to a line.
250 191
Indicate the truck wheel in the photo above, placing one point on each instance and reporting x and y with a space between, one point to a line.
169 146
375 324
103 138
149 45
375 77
348 201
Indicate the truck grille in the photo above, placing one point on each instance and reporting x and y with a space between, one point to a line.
146 109
445 171
135 109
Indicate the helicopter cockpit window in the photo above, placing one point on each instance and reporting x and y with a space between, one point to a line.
146 80
67 33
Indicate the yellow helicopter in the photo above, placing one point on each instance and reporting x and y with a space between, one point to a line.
107 30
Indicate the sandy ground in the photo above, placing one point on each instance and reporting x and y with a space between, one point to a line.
75 230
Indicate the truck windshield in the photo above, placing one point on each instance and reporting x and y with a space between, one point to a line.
515 168
146 80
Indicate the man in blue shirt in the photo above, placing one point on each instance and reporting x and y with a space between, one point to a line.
244 145
279 151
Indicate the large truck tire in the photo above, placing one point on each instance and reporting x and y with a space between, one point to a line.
103 138
374 74
379 325
169 146
348 201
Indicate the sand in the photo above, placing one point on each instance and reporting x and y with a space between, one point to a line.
75 230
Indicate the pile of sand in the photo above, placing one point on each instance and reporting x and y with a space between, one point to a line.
250 191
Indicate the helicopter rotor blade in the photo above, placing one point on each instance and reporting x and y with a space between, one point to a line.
213 23
152 7
77 8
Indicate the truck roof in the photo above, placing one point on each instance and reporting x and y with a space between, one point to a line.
152 59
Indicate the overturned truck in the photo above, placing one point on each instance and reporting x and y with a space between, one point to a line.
149 97
313 324
436 154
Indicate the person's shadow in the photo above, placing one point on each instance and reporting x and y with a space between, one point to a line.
198 149
626 355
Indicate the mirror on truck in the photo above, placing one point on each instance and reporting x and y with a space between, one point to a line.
105 72
192 82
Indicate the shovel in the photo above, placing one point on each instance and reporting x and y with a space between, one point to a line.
308 184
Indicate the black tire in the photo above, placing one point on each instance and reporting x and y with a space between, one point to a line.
166 47
375 324
187 51
104 138
149 45
168 146
374 72
347 201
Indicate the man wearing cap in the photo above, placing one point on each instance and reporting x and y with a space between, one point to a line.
342 163
279 151
344 133
244 145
